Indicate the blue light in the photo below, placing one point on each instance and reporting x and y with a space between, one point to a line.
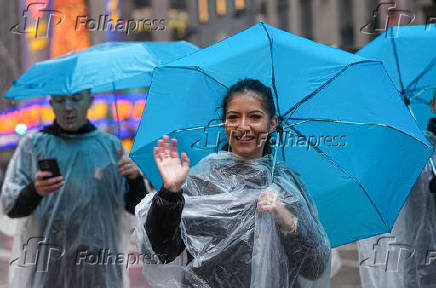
21 129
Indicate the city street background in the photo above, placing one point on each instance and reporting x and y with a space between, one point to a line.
345 24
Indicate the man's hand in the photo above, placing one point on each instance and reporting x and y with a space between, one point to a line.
126 167
50 185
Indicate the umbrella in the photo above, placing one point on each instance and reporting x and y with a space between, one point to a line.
109 66
103 67
409 56
368 150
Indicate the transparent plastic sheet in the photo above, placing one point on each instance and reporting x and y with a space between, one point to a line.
406 257
68 239
232 244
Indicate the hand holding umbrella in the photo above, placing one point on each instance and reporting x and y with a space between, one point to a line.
167 159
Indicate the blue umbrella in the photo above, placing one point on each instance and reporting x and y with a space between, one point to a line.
420 107
343 125
409 56
103 67
109 66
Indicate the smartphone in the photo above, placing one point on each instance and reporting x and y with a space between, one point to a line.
49 165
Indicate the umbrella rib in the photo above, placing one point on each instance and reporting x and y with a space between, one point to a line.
420 75
199 69
420 91
273 79
339 167
304 120
197 128
415 98
308 97
420 100
397 62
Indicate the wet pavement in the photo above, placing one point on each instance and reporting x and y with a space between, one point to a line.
348 273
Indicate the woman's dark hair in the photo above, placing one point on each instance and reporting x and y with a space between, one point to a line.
264 93
265 97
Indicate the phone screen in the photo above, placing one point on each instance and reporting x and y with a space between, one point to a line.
49 165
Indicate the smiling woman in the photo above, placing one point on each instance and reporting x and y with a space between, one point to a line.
243 222
249 117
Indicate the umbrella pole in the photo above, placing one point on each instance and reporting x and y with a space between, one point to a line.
276 148
116 110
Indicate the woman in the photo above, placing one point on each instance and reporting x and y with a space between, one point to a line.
240 226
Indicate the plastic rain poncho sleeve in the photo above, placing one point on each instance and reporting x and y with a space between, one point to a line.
73 236
406 257
232 245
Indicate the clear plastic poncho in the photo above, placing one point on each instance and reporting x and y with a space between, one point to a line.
68 239
406 257
231 243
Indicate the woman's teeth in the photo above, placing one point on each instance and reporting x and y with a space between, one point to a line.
244 138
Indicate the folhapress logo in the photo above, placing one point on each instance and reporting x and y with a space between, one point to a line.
37 254
394 16
390 256
37 20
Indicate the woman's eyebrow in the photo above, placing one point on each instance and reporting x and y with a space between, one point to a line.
256 111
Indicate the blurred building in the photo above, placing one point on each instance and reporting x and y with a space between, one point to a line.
204 22
10 59
346 24
332 22
9 45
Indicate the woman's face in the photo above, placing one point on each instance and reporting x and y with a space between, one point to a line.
247 125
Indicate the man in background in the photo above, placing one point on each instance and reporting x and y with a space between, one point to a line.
68 222
406 257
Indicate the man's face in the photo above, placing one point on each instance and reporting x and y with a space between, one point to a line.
71 110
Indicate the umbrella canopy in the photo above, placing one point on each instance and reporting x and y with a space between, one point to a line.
103 67
409 56
345 128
